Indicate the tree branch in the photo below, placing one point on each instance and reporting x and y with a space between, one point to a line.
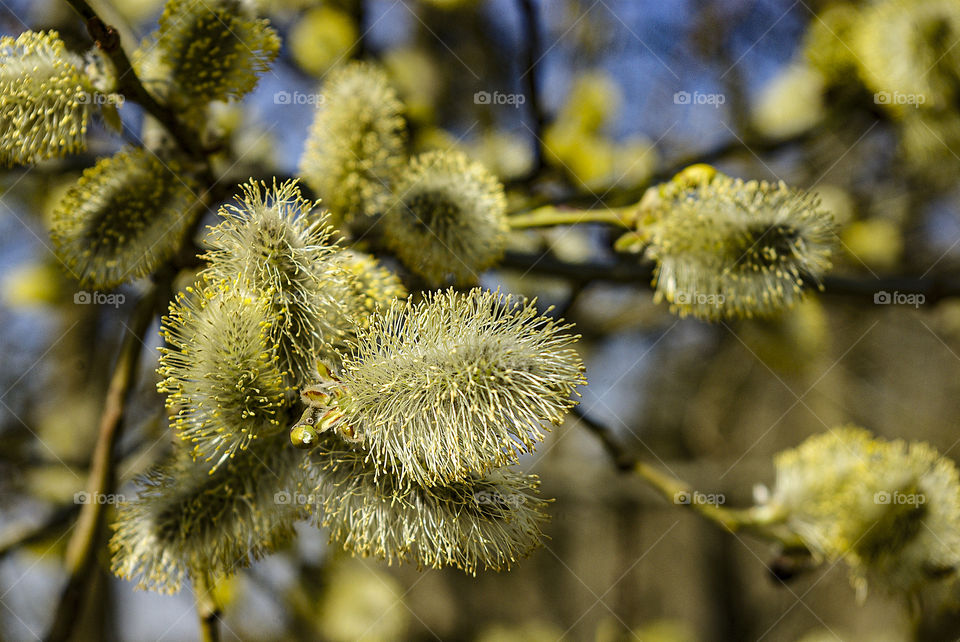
549 216
128 83
208 611
88 531
531 57
933 288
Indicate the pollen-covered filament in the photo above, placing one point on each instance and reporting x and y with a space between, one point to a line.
322 413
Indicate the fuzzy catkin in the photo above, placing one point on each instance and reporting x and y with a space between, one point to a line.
189 521
890 509
447 219
728 248
45 99
124 217
219 371
281 246
478 523
208 50
356 143
458 384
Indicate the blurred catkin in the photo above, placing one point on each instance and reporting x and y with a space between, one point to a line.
124 217
727 248
356 142
207 50
890 509
447 218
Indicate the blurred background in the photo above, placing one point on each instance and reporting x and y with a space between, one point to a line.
629 92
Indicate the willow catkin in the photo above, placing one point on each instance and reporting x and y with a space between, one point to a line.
124 217
356 142
725 247
447 219
457 384
44 99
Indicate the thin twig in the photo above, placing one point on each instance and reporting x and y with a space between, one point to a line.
671 489
549 216
55 521
208 611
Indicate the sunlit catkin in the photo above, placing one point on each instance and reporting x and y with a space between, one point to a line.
279 243
726 248
458 384
356 142
219 371
478 523
208 50
447 219
124 217
189 522
44 98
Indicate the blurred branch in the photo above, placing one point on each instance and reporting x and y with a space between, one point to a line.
87 533
55 520
669 488
754 147
531 58
359 11
549 215
933 288
128 83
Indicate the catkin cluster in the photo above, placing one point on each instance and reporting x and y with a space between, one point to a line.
276 299
442 215
410 441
